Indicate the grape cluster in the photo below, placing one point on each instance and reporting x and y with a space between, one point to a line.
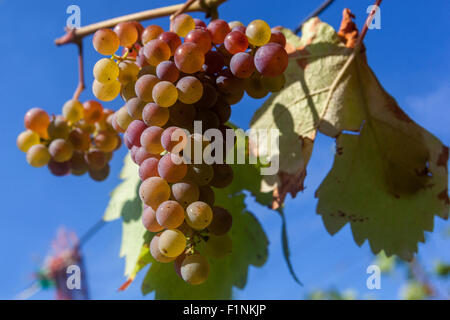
80 140
168 84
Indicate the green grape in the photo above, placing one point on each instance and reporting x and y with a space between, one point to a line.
165 94
182 24
101 174
190 90
185 193
200 174
154 191
156 253
149 220
195 269
73 111
106 91
135 106
27 139
123 118
106 141
218 246
128 72
154 115
61 150
127 33
58 128
37 120
274 84
106 42
172 243
144 87
199 215
258 33
207 195
106 70
79 139
170 214
92 111
221 222
38 156
151 140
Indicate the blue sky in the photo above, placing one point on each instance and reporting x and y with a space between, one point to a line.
409 55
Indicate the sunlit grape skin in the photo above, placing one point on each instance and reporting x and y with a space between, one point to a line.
37 120
172 40
189 58
258 33
182 24
106 91
144 87
172 168
271 60
151 32
219 30
93 111
26 140
199 215
38 156
127 33
165 94
105 70
242 65
149 220
201 37
151 140
154 115
190 89
148 168
156 252
170 214
172 243
195 269
156 51
185 193
167 71
134 132
60 150
106 42
154 191
236 42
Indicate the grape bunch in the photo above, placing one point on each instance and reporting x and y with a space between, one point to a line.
81 140
170 80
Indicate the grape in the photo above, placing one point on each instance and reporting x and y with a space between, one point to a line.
200 174
60 150
235 97
221 221
135 106
151 32
242 29
106 70
172 40
185 193
214 62
170 214
154 191
144 87
106 91
189 58
86 127
151 140
106 42
199 23
223 110
95 159
59 169
156 253
177 264
58 128
172 243
78 163
219 30
274 84
127 33
233 24
148 168
174 139
100 174
194 149
278 37
198 215
115 125
208 119
141 155
139 27
37 120
165 94
207 195
195 269
182 24
227 83
149 220
271 60
156 51
154 115
106 141
209 97
92 111
218 247
201 37
128 72
79 139
242 65
182 115
172 168
127 92
236 42
190 89
167 71
258 33
255 88
123 118
226 55
38 156
27 139
148 69
223 175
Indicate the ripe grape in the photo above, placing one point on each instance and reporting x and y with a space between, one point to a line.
27 139
177 264
73 111
190 89
200 174
165 94
234 24
167 71
148 69
174 139
271 60
278 37
58 128
195 269
79 139
236 42
208 119
198 215
207 195
154 191
209 97
106 42
78 163
92 111
154 115
100 174
218 247
96 159
37 120
223 110
148 168
139 27
135 106
189 58
227 83
127 92
156 51
156 252
235 97
128 72
201 37
61 150
127 33
221 221
274 84
223 175
38 156
172 40
219 30
150 33
255 88
182 115
242 65
123 118
172 243
182 24
106 91
242 29
144 87
172 168
151 140
258 33
106 70
185 193
214 62
141 154
170 214
149 220
59 169
106 141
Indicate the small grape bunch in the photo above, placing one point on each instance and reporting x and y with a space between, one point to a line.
81 140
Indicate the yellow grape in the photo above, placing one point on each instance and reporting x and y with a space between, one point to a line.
190 90
198 215
27 139
38 121
73 111
128 72
172 243
106 141
38 156
182 24
61 150
233 24
258 33
156 253
165 94
123 118
106 70
151 32
154 191
106 91
127 33
106 42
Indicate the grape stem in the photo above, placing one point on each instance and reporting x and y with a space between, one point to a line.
366 25
183 9
81 86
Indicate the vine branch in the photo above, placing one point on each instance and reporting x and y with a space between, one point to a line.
315 13
81 85
366 24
